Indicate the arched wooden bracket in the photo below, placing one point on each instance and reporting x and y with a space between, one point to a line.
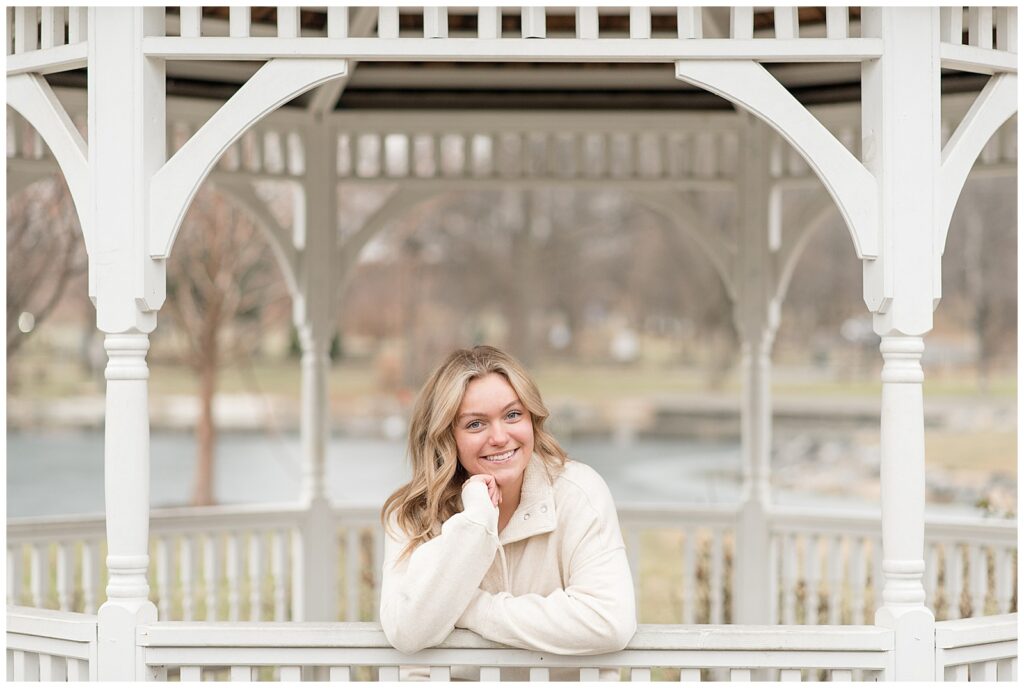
243 193
749 85
685 218
33 99
176 183
996 103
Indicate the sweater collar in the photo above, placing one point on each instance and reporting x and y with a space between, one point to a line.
536 511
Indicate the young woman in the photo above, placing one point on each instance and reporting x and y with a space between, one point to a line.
499 531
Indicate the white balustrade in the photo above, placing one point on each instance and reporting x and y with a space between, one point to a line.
48 645
978 649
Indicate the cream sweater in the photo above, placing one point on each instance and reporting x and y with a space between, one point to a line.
555 580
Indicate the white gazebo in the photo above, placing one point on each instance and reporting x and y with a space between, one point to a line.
892 160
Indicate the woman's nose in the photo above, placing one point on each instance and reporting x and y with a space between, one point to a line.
498 435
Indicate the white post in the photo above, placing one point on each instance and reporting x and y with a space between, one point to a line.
756 313
902 149
126 146
316 598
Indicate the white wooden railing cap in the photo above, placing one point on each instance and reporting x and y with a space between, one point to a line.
50 623
976 631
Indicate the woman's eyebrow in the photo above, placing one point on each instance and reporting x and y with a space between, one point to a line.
484 415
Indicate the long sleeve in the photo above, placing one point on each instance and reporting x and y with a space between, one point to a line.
594 613
424 594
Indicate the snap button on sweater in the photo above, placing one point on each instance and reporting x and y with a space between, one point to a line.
544 509
526 517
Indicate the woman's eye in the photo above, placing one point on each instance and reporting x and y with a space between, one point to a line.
473 425
514 414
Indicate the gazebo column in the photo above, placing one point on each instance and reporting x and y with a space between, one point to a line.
126 146
756 314
315 581
901 148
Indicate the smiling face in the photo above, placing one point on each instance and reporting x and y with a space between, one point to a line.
493 430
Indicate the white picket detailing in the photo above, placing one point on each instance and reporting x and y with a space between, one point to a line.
187 572
980 649
340 673
78 21
337 22
162 569
211 575
716 574
837 22
858 579
241 673
534 22
951 22
233 572
239 21
435 22
191 21
789 567
787 24
353 569
38 556
954 580
1005 578
26 23
387 22
812 570
279 570
978 572
256 577
639 22
835 579
288 21
52 26
1006 28
741 22
689 577
440 673
979 27
586 23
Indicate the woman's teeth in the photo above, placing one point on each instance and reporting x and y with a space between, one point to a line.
500 458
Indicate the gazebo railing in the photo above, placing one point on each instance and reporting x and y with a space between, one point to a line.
983 649
47 645
241 562
343 651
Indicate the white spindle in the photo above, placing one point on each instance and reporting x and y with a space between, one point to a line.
787 23
835 580
163 576
191 673
788 579
191 19
1004 580
291 673
187 576
812 579
841 675
534 22
586 674
858 580
979 26
65 575
741 22
982 671
239 21
241 673
954 580
1007 669
1006 28
951 25
77 670
278 557
26 27
288 21
539 674
52 668
53 26
689 577
640 674
38 574
689 23
716 579
435 22
78 19
978 572
639 22
14 558
337 27
773 577
739 675
837 22
689 675
586 23
931 574
388 673
26 666
233 570
90 574
440 673
387 22
488 22
352 569
790 675
340 673
256 576
211 575
877 581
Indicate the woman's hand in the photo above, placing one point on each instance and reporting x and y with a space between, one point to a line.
493 491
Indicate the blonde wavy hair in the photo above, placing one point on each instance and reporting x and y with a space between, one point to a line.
435 492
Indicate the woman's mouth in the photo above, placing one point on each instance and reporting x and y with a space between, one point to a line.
500 458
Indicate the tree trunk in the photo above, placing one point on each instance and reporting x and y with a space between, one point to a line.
206 434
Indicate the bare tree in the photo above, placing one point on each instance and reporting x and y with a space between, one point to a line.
45 252
221 280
